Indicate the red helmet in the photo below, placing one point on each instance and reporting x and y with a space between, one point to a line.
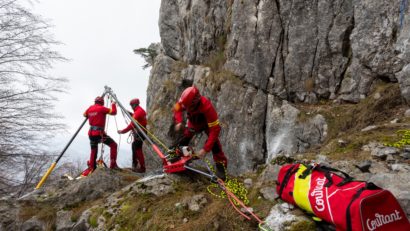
135 102
99 100
190 97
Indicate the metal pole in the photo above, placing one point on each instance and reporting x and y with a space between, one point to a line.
200 172
109 91
53 165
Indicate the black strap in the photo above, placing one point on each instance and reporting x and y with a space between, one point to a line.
368 186
334 170
307 171
327 170
286 179
96 128
345 181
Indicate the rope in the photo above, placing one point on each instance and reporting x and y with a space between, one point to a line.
156 139
238 201
260 226
233 185
101 159
126 119
235 192
119 135
403 6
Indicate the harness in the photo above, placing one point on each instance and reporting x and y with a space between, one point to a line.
96 128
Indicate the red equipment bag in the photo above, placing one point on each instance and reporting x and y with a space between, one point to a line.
337 199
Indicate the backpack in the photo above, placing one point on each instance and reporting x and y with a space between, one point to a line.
333 196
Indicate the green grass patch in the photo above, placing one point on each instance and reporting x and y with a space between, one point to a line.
404 139
303 226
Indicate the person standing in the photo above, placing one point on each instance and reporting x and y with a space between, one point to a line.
202 117
140 117
96 115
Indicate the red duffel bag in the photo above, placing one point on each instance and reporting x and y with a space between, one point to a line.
332 195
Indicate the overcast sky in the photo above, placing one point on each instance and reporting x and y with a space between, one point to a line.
99 37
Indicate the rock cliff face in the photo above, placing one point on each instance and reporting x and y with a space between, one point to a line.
255 59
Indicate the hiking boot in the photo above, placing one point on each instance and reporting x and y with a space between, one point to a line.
220 171
140 170
115 167
87 172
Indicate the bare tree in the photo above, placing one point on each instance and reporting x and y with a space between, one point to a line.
27 92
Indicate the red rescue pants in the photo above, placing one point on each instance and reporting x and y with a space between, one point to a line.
105 139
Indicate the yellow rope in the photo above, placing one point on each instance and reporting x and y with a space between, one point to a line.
232 185
157 140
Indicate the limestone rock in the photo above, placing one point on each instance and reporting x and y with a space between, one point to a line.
157 185
189 30
400 168
195 203
248 183
65 193
8 215
407 113
269 175
269 193
63 221
369 128
280 218
382 152
32 224
364 166
286 135
249 56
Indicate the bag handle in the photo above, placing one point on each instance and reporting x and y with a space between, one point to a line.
327 170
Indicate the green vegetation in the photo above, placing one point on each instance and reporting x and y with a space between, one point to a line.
95 214
147 212
404 139
303 226
216 60
345 121
148 54
281 160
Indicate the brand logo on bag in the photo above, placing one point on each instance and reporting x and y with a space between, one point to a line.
317 193
380 220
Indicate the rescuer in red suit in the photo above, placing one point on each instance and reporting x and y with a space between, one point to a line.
96 115
137 154
201 116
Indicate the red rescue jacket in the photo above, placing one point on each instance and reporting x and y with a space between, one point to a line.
140 115
203 118
96 117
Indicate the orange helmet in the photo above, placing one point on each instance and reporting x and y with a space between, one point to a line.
135 102
99 100
190 97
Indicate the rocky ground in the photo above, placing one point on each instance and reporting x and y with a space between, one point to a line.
122 200
317 81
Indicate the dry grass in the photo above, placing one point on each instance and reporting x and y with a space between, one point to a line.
45 212
309 84
215 80
216 60
346 121
147 212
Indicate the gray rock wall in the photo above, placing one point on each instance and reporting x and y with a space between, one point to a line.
250 56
